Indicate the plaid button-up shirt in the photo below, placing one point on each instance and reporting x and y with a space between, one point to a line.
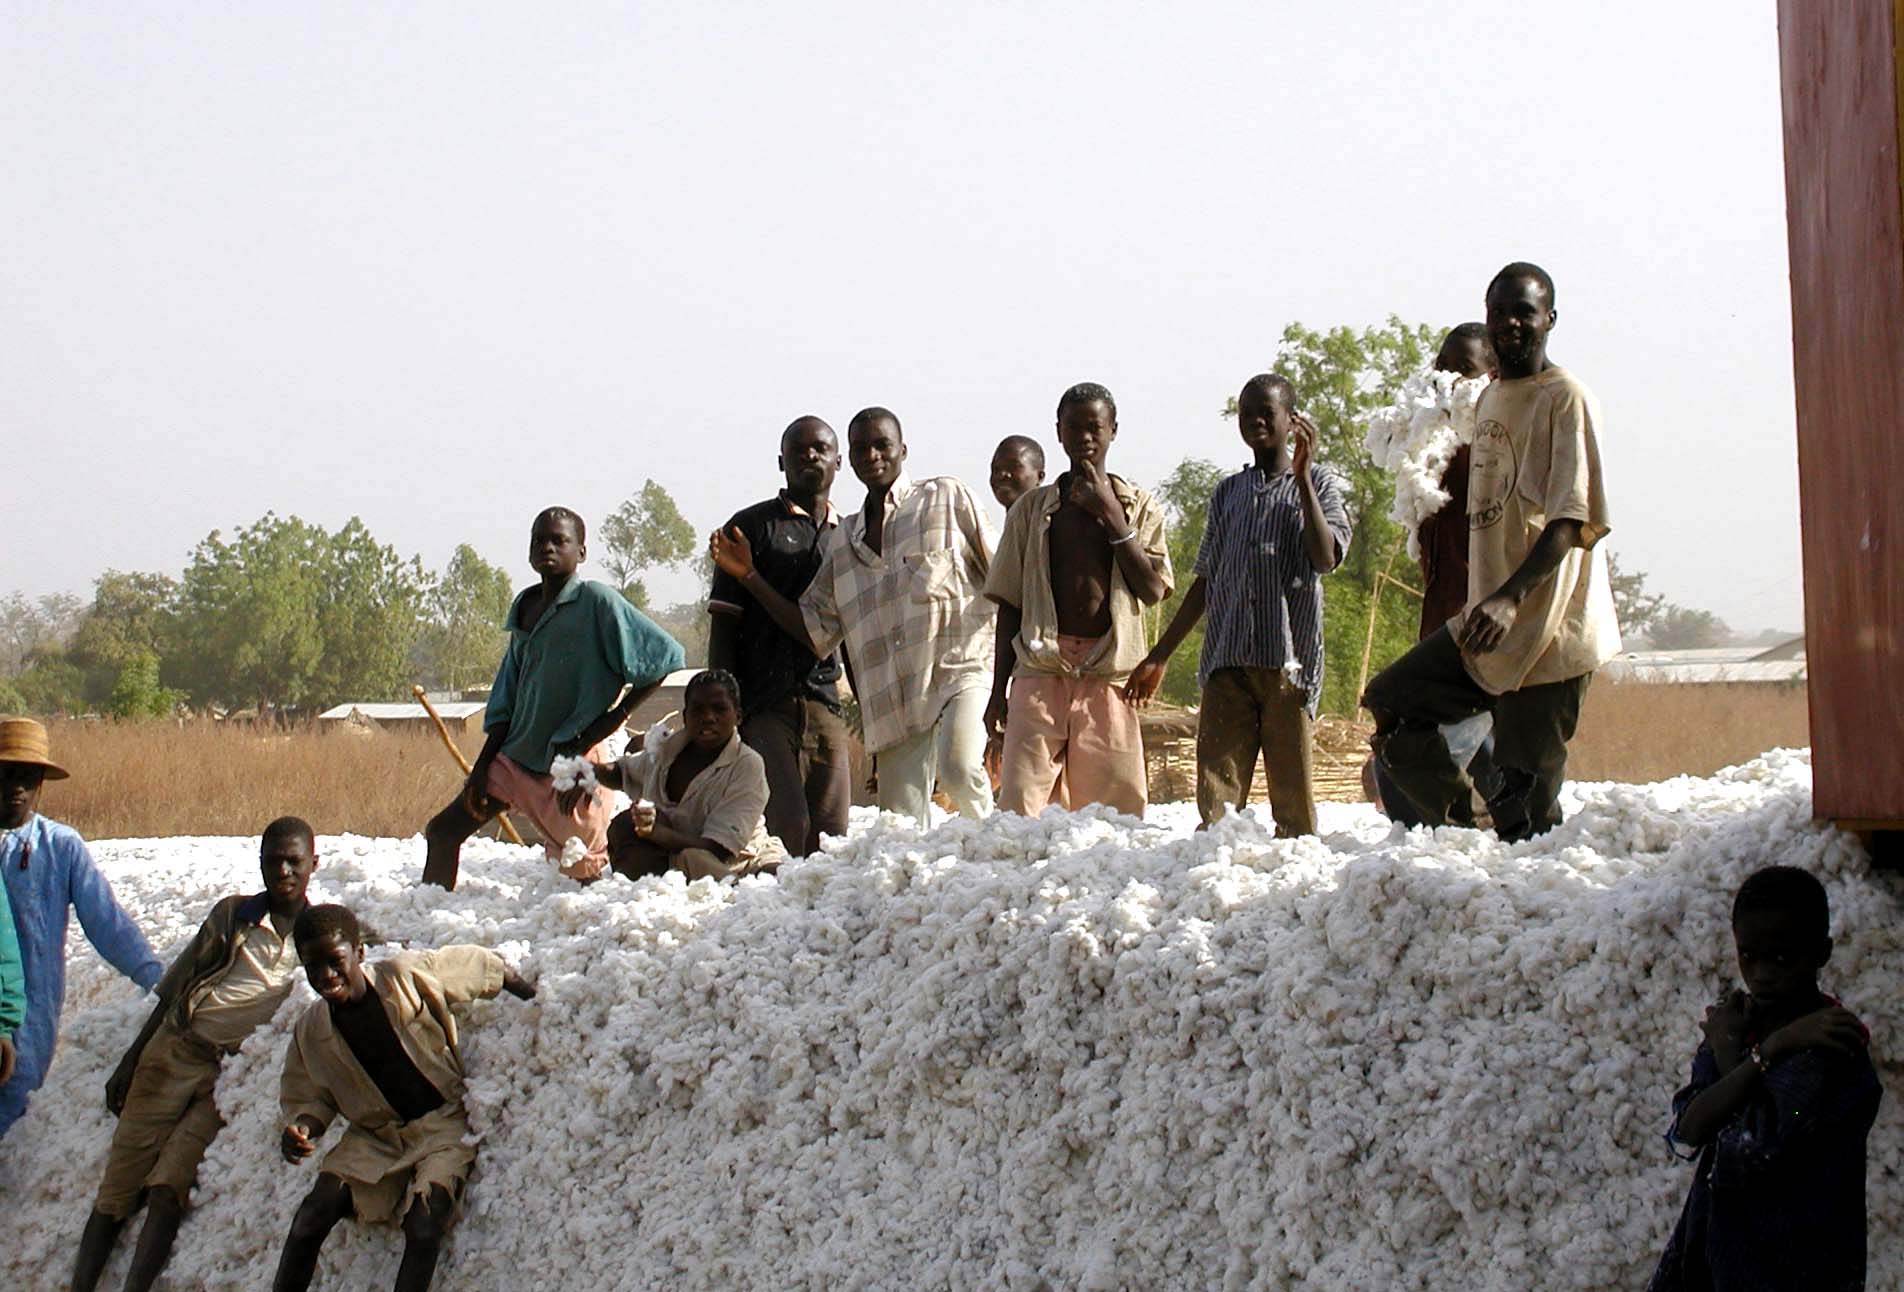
916 624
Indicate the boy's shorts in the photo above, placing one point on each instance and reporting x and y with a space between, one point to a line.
534 795
386 1169
1078 728
168 1121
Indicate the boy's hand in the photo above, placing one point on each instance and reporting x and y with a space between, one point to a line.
6 1059
1725 1026
995 711
116 1087
1302 444
518 986
1143 683
642 817
731 552
298 1141
1090 491
476 792
1488 624
1831 1028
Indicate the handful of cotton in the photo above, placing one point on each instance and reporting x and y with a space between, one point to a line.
573 851
567 773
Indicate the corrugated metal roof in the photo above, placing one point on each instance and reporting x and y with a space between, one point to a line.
457 709
1638 668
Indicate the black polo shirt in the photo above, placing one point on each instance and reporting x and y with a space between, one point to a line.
772 665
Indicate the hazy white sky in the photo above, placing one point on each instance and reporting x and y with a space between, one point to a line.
438 265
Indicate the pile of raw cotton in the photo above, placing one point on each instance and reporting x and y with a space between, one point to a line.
1071 1052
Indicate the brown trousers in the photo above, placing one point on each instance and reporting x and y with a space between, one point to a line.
1413 698
1251 710
805 749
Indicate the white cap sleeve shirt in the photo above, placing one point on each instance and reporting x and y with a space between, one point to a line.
1536 459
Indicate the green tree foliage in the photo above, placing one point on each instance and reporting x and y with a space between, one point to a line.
1638 610
645 533
688 624
136 692
285 614
1342 376
131 618
1185 496
51 684
31 627
1678 628
467 630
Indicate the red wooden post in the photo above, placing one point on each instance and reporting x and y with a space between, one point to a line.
1841 68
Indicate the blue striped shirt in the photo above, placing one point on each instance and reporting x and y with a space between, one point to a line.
1262 597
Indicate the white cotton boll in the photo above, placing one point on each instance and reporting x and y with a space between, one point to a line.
566 773
573 851
1077 1050
1416 437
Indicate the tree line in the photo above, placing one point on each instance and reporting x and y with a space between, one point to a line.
284 615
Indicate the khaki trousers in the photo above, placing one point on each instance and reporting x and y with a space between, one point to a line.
167 1123
1247 711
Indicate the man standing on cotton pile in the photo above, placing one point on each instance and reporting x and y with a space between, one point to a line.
580 658
1079 562
49 872
1539 618
790 695
1274 529
901 584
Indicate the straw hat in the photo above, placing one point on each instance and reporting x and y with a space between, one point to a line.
23 740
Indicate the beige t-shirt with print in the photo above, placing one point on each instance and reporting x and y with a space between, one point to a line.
1536 459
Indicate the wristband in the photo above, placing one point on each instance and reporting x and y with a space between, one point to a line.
1118 542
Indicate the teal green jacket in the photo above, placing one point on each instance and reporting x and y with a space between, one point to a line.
564 673
12 976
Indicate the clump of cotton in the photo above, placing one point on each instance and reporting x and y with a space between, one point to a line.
567 773
1417 436
1076 1051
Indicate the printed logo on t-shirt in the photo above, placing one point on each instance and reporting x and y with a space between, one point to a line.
1490 475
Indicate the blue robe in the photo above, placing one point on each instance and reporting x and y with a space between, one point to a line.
49 872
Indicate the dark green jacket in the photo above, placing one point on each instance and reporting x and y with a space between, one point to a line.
12 976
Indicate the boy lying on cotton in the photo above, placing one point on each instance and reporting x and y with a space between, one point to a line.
380 1048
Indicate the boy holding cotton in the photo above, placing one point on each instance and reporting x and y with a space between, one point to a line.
1781 1098
1079 561
1273 530
379 1049
224 985
580 658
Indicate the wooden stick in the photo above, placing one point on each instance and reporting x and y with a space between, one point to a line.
449 743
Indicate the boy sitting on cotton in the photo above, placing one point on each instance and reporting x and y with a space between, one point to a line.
700 798
229 981
380 1048
1781 1098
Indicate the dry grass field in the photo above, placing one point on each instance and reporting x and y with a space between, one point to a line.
162 778
139 779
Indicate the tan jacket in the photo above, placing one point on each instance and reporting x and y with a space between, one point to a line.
727 802
1021 576
322 1077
